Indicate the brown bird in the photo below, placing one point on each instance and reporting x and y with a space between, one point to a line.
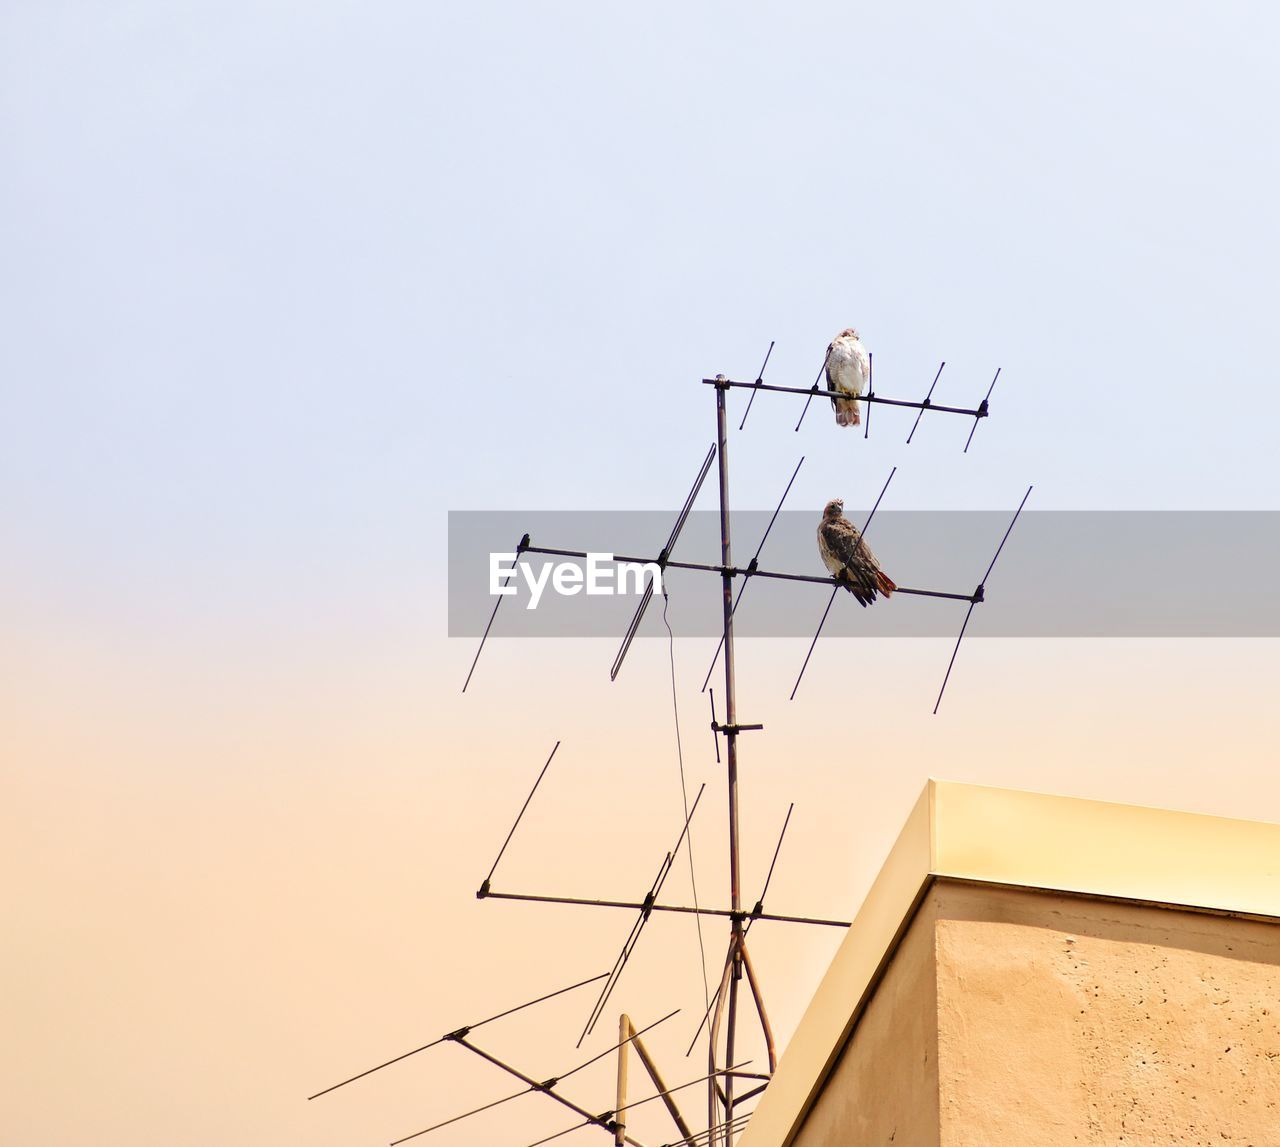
849 558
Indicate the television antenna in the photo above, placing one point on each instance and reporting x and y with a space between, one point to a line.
725 1112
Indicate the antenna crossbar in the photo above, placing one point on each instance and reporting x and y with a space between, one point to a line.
637 906
744 572
547 1090
813 391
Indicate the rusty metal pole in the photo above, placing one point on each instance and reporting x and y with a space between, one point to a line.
729 1042
731 737
652 1068
764 1016
713 1040
625 1032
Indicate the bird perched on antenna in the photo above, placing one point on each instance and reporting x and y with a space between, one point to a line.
849 558
848 368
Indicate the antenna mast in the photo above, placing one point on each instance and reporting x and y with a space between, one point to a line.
730 731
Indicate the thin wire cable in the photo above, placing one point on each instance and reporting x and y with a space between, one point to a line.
737 1123
632 937
703 1138
951 664
865 526
467 1027
814 643
547 1085
603 1120
622 1043
684 791
714 999
1006 534
752 917
465 1115
977 597
759 382
924 405
814 390
983 410
493 616
664 870
871 390
484 886
781 836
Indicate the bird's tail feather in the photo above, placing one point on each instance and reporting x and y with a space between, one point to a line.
884 584
861 595
847 412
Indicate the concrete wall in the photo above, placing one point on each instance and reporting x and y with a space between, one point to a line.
1010 1016
885 1087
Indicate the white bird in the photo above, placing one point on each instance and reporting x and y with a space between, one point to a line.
848 368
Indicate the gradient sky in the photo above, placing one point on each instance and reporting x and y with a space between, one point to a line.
286 282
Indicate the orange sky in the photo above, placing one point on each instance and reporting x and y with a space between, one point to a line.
233 883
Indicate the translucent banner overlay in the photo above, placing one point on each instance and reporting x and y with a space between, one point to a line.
1062 574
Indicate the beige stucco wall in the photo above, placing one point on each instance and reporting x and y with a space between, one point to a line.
885 1088
1010 1016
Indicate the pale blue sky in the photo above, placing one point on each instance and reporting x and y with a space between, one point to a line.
266 266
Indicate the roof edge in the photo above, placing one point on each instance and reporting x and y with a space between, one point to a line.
1030 840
